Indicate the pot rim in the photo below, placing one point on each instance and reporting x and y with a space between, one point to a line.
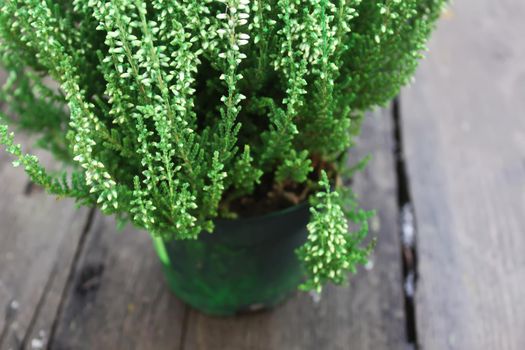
269 215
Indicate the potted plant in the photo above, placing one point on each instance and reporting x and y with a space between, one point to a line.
219 126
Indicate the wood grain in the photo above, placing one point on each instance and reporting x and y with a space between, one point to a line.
366 315
38 240
118 298
464 128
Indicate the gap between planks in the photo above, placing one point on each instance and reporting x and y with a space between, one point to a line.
72 269
407 229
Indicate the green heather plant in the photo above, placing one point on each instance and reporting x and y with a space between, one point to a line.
170 113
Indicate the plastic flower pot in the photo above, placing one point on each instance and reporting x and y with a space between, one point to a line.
244 265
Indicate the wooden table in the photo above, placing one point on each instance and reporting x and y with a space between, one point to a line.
448 170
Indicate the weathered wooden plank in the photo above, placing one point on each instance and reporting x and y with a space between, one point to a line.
464 128
38 239
366 315
118 298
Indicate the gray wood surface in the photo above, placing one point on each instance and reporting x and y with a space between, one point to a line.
39 236
464 128
118 298
366 315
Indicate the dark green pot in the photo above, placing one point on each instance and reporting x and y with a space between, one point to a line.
244 265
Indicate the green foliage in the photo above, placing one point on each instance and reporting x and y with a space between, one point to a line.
169 110
331 251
